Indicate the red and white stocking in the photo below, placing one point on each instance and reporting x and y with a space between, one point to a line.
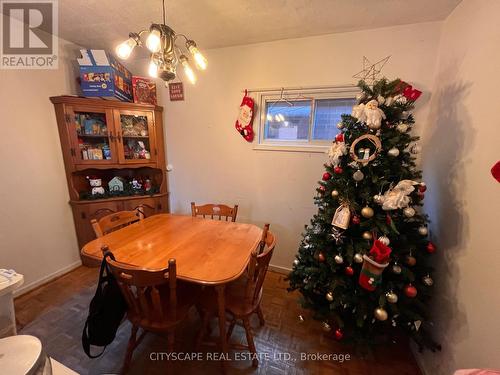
245 117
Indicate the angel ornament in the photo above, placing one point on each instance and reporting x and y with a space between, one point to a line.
397 197
337 149
373 115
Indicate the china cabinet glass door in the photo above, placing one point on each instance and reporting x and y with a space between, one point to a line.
135 137
92 135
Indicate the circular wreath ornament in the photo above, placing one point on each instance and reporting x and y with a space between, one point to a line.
374 140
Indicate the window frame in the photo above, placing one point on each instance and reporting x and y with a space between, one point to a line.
315 93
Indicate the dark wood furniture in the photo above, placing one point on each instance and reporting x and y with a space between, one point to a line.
117 220
106 139
154 303
243 296
208 252
215 211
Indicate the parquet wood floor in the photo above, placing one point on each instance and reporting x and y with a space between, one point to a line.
56 312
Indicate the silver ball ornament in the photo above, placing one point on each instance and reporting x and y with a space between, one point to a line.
335 193
409 212
385 240
338 259
358 258
379 199
358 175
393 152
396 268
380 314
367 236
391 297
296 262
367 212
423 230
329 296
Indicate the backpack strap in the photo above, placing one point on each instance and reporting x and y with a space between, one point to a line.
86 343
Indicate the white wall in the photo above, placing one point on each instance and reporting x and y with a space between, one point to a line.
37 236
461 144
212 162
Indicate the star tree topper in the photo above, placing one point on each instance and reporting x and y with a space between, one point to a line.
370 71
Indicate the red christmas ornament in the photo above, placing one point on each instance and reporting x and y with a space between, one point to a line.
338 170
420 194
430 248
349 271
326 176
339 137
321 257
410 291
339 334
422 188
322 189
356 220
495 171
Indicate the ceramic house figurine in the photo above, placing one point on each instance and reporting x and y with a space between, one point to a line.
116 184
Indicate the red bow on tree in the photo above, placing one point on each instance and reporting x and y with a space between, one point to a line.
407 91
380 252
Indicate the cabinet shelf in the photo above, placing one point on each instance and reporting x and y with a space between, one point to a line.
92 135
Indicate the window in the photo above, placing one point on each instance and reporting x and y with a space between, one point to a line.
304 120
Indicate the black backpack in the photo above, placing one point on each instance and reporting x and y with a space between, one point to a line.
106 311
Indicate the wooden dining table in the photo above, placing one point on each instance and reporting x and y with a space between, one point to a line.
207 252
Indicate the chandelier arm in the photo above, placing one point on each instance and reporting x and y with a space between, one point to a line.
181 35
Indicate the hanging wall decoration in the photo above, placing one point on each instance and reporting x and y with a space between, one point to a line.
245 118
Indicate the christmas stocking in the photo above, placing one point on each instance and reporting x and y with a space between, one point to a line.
244 122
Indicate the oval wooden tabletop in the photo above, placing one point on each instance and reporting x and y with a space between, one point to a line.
206 251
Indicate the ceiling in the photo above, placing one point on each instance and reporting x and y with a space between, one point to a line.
221 23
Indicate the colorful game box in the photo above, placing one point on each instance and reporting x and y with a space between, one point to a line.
102 75
144 90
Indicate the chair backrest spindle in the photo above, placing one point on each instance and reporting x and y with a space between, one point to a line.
215 211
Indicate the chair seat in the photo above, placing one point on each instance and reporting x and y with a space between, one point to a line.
187 295
236 302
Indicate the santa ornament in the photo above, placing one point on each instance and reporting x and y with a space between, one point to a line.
245 117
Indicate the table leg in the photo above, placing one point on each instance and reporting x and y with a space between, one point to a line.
221 303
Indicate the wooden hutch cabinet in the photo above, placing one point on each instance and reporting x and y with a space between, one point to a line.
104 139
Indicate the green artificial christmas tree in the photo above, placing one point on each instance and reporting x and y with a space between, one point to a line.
364 263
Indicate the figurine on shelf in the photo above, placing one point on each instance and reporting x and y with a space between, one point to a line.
147 185
96 185
136 184
115 184
143 153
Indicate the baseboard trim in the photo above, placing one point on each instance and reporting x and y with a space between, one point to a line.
280 269
44 280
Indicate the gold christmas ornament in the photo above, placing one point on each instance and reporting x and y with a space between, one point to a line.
358 258
367 236
367 212
423 230
380 314
340 125
335 193
391 297
338 259
409 212
385 240
410 260
396 268
329 296
326 327
402 128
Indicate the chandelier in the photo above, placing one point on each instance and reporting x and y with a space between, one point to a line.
161 40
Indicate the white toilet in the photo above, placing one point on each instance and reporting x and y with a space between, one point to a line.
24 355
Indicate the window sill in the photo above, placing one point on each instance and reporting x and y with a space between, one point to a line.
292 148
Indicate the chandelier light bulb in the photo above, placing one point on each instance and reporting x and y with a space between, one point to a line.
153 41
199 59
153 69
124 49
187 69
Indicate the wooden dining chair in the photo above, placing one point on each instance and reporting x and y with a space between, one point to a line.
243 296
116 220
156 302
215 211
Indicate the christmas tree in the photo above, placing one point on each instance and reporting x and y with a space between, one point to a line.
364 263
